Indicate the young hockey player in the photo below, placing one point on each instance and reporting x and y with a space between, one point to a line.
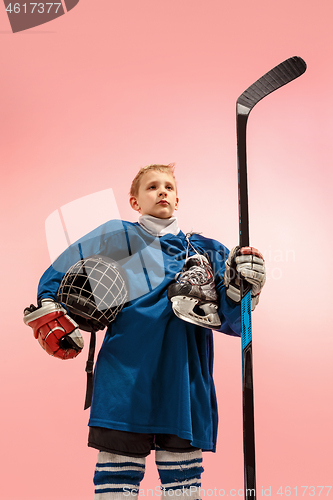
153 382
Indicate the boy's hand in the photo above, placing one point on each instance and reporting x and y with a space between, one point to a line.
56 332
247 263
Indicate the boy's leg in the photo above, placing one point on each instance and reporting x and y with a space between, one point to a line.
121 462
179 469
118 476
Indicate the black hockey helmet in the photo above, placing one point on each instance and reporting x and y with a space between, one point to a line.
94 290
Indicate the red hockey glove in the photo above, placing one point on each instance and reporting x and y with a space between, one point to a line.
56 332
248 263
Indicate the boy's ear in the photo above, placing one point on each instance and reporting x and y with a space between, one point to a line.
176 204
134 203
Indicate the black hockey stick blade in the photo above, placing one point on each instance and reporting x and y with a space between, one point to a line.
283 73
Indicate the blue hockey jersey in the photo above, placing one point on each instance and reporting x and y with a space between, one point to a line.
154 371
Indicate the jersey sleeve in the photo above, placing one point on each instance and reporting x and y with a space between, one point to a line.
109 239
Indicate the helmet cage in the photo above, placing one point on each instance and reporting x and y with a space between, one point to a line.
94 290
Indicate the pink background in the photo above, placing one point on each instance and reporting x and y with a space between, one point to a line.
112 86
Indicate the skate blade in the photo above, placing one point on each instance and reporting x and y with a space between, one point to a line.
183 308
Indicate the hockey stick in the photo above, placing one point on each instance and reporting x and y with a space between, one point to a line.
282 74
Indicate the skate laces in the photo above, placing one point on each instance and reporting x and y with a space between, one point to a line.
197 274
189 244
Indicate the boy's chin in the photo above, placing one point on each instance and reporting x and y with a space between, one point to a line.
160 215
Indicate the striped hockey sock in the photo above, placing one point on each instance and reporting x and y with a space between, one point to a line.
180 471
117 477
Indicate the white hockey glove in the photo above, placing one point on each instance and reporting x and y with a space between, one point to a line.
247 263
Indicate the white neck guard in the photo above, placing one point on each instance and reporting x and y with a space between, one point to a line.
159 227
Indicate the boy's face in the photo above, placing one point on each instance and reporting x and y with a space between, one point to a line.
157 195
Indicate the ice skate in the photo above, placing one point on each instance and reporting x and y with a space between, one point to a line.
193 296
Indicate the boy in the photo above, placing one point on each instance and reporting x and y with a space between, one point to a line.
153 383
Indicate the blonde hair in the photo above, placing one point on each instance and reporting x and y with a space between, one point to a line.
169 169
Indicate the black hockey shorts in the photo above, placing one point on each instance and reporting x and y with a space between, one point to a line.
135 444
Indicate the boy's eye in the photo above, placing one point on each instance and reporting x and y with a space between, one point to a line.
153 186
